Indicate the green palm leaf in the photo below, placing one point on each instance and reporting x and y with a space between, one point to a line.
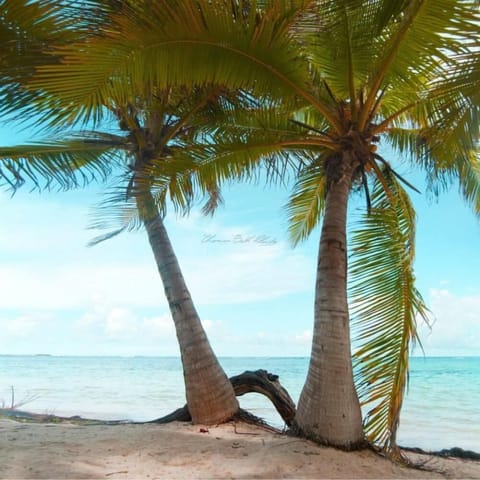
421 31
307 201
29 33
469 179
245 145
385 306
445 143
58 163
145 41
340 44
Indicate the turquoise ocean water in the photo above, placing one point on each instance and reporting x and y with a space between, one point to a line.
441 410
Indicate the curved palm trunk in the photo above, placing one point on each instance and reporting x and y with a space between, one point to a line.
328 410
210 395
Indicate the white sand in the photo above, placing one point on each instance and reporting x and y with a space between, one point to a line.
179 450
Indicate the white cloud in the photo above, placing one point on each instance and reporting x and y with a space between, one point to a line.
232 275
75 285
304 338
456 326
24 325
248 273
107 294
34 224
121 321
161 326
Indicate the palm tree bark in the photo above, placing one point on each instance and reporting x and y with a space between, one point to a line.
328 410
210 395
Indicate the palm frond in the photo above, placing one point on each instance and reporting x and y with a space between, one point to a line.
24 28
184 42
29 33
106 236
418 44
307 201
449 120
445 142
62 164
338 43
117 212
214 200
463 169
408 142
244 145
385 306
467 79
217 164
469 179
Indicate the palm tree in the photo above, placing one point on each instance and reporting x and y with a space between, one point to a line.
346 77
154 127
152 131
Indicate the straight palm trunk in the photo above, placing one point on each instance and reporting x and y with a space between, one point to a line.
210 395
328 410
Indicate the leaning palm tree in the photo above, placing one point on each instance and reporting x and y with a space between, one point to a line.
144 149
153 127
350 76
155 130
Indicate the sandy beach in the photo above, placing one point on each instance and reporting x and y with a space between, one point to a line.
179 450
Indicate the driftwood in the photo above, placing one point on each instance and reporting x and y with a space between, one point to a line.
259 381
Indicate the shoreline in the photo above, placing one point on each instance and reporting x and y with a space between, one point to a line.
74 449
32 417
112 389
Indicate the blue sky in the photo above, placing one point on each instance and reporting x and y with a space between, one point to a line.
253 291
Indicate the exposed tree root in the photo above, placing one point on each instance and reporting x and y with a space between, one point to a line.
268 384
259 381
179 415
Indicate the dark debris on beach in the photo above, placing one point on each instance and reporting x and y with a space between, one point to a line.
455 452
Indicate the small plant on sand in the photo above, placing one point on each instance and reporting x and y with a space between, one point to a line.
15 406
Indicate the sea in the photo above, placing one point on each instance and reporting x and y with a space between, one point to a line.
441 408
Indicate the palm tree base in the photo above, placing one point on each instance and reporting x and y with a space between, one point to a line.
310 434
258 381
